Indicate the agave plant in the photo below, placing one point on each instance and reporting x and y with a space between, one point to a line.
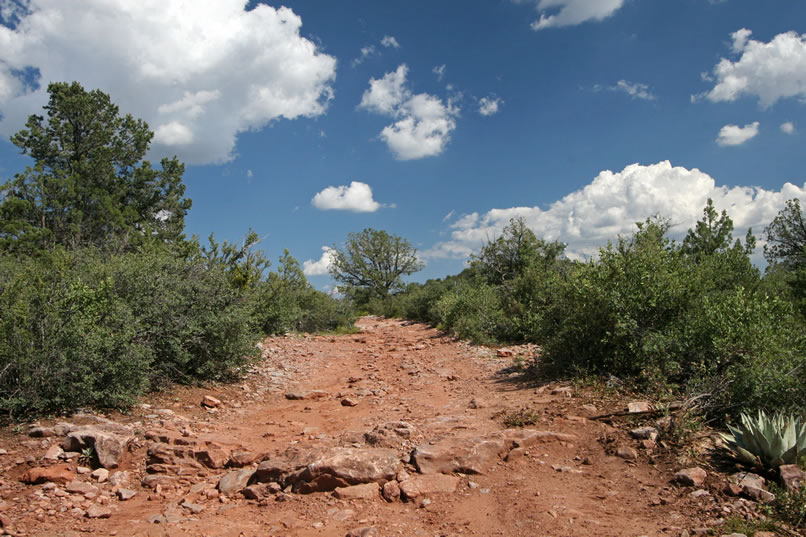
767 441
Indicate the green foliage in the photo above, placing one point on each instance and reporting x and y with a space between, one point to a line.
287 302
521 418
767 441
372 264
786 236
472 312
84 329
514 253
88 183
789 506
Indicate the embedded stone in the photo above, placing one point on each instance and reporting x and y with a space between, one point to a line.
424 485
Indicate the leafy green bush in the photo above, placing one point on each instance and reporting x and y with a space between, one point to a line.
80 328
472 312
66 342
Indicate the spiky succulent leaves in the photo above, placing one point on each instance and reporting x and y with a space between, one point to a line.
767 440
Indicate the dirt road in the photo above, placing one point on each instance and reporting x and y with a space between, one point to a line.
321 413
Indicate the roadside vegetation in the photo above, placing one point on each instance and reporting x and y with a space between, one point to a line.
674 319
102 297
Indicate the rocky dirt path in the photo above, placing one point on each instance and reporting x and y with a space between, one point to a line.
396 430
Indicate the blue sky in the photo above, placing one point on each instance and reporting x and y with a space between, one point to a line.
319 118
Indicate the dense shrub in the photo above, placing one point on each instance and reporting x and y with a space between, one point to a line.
83 329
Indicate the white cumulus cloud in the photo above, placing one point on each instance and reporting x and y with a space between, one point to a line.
489 106
423 123
198 74
614 201
769 71
321 266
636 90
736 135
556 13
788 127
357 198
390 41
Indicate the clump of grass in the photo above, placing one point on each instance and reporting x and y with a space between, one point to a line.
521 418
737 524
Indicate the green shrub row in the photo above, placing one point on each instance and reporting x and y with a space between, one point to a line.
691 319
84 328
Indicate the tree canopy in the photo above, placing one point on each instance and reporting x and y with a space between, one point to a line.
786 236
89 183
373 262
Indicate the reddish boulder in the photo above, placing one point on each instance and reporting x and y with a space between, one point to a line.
59 473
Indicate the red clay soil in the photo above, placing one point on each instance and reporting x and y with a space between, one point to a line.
391 371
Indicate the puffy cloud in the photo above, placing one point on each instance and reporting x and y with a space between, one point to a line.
357 198
736 135
423 122
770 71
556 13
199 74
614 201
788 127
636 90
320 267
385 95
390 41
488 106
366 52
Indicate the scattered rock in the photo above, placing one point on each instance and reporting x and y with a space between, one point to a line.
210 402
565 469
691 476
423 485
638 407
749 479
100 475
81 487
239 459
110 447
192 507
349 402
98 511
645 433
341 467
214 457
390 435
367 491
758 494
152 481
391 491
732 489
367 531
41 432
53 453
59 473
126 494
792 477
627 453
477 403
504 353
235 481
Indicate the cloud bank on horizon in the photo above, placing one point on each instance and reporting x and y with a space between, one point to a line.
614 201
199 78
